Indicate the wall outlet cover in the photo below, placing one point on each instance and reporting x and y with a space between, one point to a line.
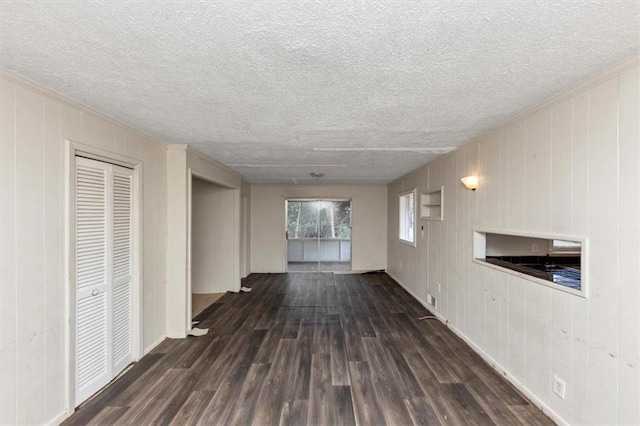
558 386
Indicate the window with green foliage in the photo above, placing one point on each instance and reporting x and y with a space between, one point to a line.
318 219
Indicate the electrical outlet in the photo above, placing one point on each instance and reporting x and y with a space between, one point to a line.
534 247
558 386
439 288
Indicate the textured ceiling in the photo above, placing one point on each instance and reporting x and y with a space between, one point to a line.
362 91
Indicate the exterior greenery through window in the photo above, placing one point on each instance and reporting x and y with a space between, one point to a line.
318 219
407 217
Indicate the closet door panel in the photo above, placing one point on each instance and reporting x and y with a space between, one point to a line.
91 277
122 255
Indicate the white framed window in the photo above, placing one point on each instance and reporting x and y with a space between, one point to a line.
407 212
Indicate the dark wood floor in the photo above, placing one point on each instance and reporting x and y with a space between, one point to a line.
315 349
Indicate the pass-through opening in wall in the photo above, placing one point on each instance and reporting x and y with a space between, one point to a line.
551 260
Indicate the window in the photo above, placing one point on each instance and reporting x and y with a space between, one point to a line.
407 217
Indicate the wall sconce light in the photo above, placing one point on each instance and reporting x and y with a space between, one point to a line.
471 182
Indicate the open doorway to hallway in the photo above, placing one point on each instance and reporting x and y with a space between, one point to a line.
211 238
318 235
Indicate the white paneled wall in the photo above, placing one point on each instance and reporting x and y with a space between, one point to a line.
34 125
368 215
571 167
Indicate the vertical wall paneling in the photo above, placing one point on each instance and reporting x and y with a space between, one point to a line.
149 271
536 321
568 168
517 327
561 161
491 183
560 350
503 179
537 171
8 286
131 144
70 122
88 128
629 252
516 143
118 146
34 127
29 184
603 233
53 259
104 134
161 238
580 173
580 179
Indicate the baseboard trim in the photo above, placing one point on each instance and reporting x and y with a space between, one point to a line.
487 358
153 345
58 419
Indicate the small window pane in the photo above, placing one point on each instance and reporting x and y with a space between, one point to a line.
407 217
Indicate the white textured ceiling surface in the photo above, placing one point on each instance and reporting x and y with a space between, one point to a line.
362 91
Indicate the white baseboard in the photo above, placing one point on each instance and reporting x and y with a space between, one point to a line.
177 336
487 358
153 345
58 419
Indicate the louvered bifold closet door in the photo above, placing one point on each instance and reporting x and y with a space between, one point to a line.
122 255
104 248
93 363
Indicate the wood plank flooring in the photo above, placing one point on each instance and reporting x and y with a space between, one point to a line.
318 349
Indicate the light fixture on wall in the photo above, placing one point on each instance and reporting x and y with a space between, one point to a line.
316 174
471 182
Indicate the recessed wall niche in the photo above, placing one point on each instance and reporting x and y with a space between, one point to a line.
555 261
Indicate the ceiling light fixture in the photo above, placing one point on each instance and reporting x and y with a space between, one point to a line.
471 182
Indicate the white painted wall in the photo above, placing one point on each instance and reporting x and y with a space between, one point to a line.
182 163
569 167
34 125
369 221
211 236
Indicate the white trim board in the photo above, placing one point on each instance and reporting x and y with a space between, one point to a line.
152 347
58 419
488 359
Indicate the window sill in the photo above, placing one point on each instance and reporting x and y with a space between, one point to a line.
580 293
409 243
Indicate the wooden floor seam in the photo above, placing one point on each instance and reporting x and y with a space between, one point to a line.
315 349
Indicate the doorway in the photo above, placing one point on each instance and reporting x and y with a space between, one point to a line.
211 243
318 234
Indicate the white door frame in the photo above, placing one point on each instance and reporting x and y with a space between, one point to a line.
74 149
191 174
244 236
